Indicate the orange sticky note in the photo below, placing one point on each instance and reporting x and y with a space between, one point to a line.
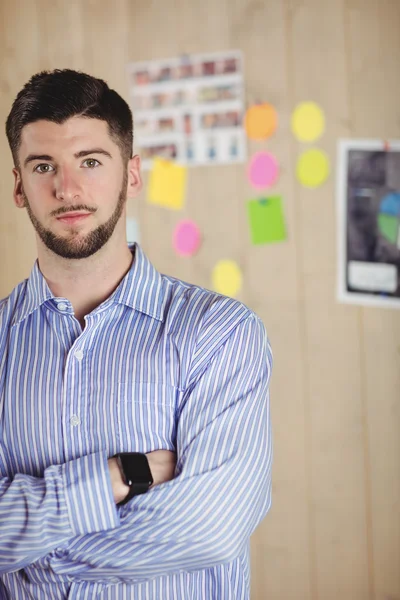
260 121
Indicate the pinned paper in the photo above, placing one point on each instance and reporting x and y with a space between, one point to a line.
167 184
266 220
132 231
262 170
312 168
260 121
308 122
227 278
186 238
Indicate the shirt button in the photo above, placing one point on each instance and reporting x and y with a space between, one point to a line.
62 306
79 354
74 420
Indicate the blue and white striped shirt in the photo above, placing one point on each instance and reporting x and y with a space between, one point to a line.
160 364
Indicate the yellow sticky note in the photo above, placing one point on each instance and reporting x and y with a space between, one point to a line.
167 184
308 122
227 278
312 168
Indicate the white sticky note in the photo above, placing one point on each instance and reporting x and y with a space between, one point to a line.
132 231
369 277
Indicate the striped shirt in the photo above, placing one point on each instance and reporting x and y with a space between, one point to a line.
160 364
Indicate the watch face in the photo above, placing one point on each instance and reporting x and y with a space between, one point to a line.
136 467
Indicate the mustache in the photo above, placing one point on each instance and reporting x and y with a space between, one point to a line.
64 209
67 209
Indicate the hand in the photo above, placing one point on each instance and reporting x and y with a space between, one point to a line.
162 465
119 488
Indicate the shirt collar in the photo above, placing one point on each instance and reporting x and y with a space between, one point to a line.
141 289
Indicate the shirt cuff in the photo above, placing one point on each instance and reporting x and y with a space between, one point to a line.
88 494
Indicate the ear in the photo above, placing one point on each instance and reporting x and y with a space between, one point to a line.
18 196
135 183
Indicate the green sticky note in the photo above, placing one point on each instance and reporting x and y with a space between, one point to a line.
266 220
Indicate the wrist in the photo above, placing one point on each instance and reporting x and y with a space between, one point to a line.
135 474
119 487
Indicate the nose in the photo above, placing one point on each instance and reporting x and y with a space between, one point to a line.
67 188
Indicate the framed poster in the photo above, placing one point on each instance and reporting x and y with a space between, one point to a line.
189 109
368 211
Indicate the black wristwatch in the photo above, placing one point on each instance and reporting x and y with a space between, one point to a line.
135 471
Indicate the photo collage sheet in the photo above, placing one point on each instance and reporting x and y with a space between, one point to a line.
189 109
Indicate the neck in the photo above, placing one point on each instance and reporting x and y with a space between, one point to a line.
87 282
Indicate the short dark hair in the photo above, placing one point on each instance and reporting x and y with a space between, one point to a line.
63 93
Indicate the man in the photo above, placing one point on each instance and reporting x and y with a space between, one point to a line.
135 441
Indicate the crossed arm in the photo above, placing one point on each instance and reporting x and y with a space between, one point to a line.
200 518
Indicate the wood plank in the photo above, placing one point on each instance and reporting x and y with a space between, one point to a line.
331 343
375 90
19 49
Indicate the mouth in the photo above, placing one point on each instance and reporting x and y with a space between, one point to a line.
71 218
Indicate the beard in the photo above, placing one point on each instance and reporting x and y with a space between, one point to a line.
73 247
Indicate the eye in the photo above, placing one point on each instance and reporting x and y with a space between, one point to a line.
43 168
91 163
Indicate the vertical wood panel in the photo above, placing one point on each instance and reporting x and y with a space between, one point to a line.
271 288
19 54
333 396
61 34
374 50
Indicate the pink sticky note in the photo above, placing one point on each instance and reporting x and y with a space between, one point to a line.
263 170
186 238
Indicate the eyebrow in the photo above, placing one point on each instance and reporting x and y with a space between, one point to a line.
80 154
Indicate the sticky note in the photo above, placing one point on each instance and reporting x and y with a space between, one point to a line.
262 171
132 230
260 121
186 238
266 220
308 122
167 184
227 278
312 168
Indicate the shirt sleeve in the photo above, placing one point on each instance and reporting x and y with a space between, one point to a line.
38 514
222 488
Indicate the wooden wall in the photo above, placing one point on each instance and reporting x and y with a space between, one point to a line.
334 529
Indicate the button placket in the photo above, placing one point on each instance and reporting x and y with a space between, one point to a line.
73 418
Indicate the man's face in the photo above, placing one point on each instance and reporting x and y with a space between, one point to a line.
73 183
